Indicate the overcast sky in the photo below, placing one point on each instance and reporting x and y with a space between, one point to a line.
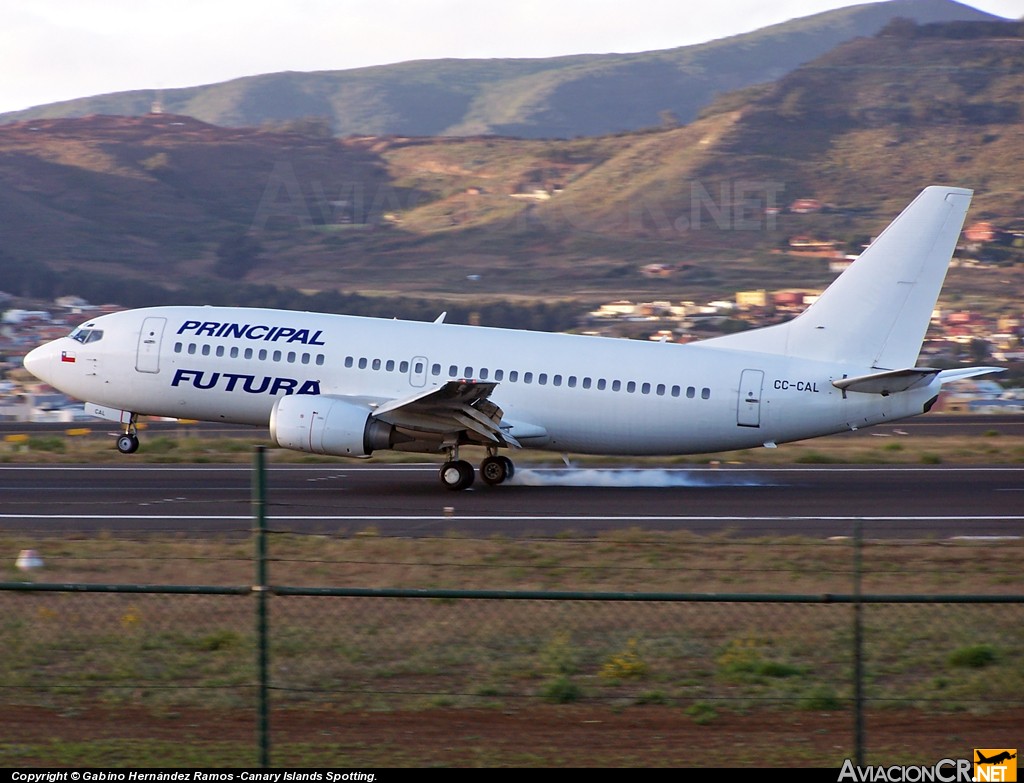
53 50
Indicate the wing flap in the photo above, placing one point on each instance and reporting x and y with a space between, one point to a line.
455 406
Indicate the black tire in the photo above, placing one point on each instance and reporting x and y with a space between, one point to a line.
128 444
494 470
456 475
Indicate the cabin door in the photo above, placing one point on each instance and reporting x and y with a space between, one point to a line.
748 406
147 358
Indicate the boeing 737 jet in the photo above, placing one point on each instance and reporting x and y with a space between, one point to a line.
349 386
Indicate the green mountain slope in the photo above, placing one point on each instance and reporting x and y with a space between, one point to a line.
536 98
168 201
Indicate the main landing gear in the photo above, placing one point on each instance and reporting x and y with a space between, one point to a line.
457 474
129 442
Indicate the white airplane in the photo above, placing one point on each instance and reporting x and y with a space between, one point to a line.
348 386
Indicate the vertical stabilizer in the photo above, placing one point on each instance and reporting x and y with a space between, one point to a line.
876 313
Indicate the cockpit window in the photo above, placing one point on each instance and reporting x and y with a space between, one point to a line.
84 335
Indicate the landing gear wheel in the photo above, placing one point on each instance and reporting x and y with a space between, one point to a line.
128 443
496 470
456 475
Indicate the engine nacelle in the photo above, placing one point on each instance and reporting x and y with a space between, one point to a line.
327 425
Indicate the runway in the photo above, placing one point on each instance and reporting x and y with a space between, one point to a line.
400 500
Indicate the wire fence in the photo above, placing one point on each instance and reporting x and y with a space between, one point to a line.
233 670
352 652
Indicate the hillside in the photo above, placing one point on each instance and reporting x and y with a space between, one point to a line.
122 208
562 97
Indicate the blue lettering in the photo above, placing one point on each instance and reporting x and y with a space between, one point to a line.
286 385
183 375
198 380
232 330
253 334
229 382
269 334
264 385
232 379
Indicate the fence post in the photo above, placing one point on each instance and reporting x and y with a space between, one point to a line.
259 497
858 647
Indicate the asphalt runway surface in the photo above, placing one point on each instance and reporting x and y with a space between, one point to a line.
407 500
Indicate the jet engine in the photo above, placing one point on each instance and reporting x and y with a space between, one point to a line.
327 425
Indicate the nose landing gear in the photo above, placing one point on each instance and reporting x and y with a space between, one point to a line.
129 442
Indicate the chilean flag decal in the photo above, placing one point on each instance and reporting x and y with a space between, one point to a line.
67 356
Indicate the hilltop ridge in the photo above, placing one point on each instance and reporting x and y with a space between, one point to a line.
559 97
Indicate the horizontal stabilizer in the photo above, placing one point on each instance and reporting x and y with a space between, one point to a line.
947 376
892 381
888 382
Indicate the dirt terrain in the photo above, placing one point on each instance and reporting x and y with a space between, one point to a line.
547 735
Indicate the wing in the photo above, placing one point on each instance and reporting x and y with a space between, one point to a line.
454 412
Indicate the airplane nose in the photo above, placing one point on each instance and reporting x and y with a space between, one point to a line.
39 361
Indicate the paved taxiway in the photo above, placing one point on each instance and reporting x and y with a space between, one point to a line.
907 502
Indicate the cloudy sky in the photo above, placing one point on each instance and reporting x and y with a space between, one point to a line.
53 50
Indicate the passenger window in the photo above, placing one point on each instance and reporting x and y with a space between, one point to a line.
248 353
513 376
418 368
661 390
453 371
177 347
602 384
645 389
234 351
705 393
376 364
435 370
206 350
468 373
527 377
499 375
305 358
631 387
220 350
616 385
277 356
389 365
542 379
362 362
291 357
320 359
556 381
349 361
690 392
676 391
262 355
403 366
586 383
191 349
572 382
483 373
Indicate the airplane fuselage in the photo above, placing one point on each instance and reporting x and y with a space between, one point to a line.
561 392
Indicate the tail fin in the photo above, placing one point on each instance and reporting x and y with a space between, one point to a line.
876 313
